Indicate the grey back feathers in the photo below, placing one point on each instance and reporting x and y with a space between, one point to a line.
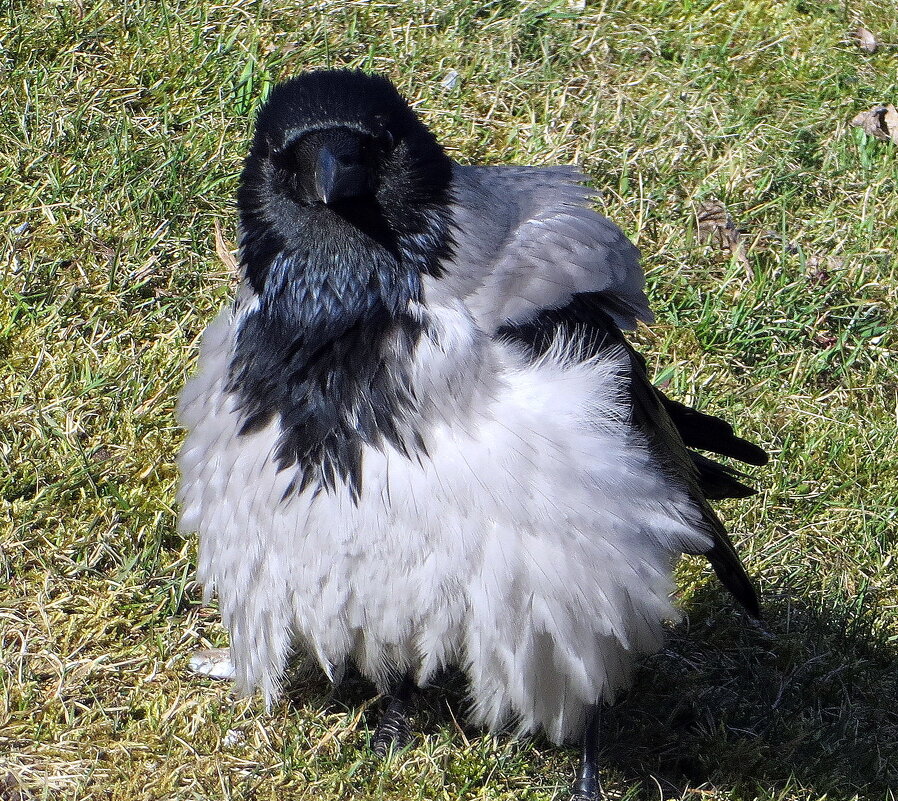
526 240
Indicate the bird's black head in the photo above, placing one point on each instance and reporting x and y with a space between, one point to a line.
339 155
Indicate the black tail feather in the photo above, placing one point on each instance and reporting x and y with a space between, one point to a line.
720 481
709 433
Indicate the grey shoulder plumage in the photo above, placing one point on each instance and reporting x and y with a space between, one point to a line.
527 240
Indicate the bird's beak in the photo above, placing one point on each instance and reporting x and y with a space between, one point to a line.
340 176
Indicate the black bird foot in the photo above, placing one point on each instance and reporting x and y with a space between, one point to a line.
587 787
393 731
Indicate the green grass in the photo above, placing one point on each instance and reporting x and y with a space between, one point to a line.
122 129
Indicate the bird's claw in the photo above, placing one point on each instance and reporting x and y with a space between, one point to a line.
392 733
589 789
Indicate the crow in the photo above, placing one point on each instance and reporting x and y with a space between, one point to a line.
419 440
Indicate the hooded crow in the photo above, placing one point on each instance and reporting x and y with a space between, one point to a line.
418 438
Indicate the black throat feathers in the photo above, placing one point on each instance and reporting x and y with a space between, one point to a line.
329 348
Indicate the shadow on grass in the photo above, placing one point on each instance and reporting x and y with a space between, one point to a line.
806 704
810 704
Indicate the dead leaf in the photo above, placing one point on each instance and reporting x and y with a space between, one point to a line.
821 268
824 340
881 122
717 227
890 118
224 253
866 40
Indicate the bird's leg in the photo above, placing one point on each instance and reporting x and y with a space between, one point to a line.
393 731
587 786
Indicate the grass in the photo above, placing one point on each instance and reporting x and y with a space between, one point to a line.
122 129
